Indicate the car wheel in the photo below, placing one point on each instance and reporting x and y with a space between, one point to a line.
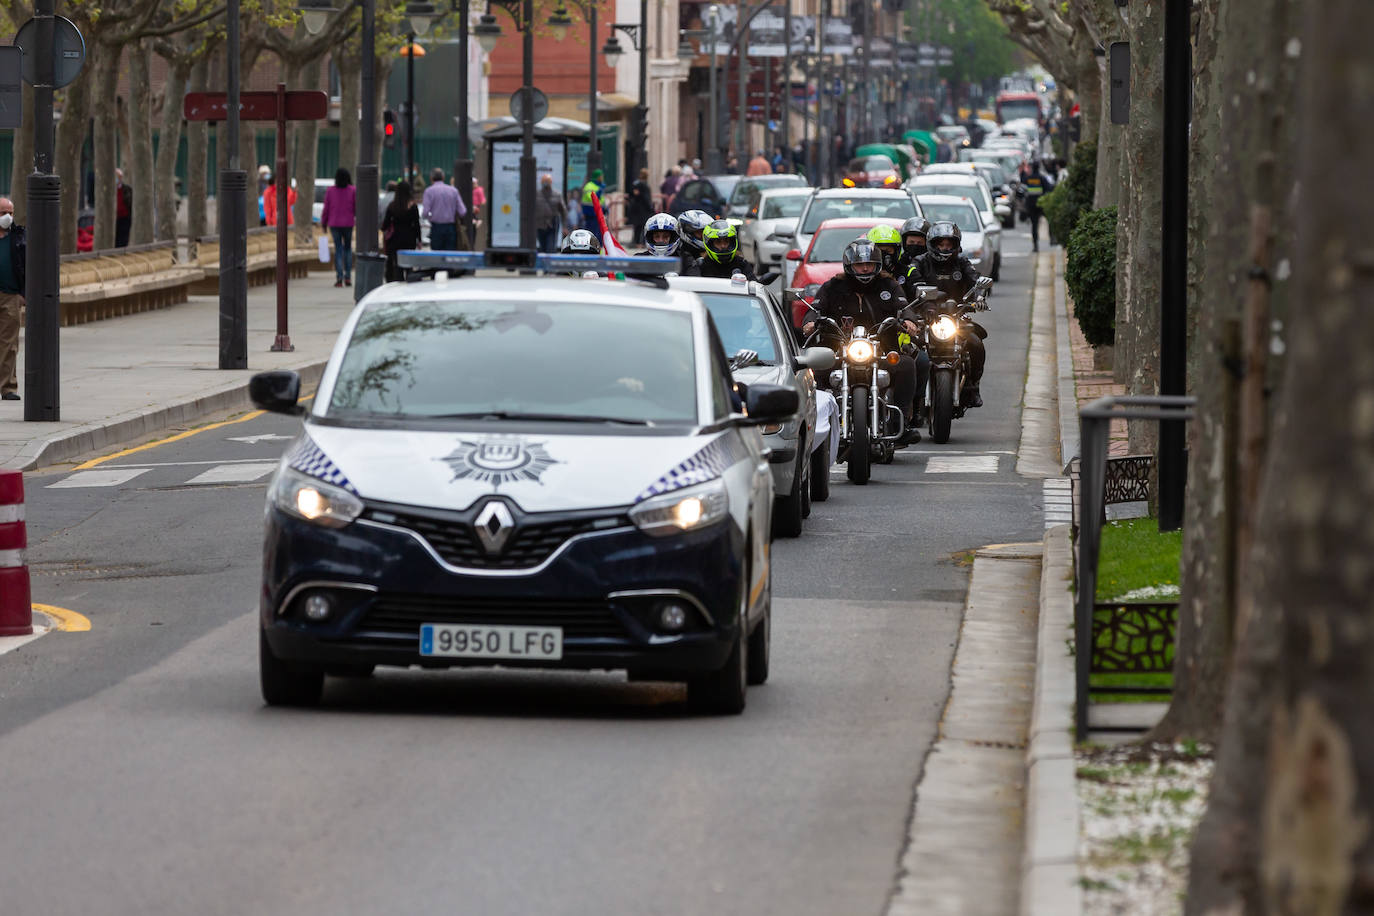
757 663
788 510
820 473
805 466
285 684
997 266
722 692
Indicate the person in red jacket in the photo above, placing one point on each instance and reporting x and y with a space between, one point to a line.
269 204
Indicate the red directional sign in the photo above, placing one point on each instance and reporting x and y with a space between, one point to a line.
301 105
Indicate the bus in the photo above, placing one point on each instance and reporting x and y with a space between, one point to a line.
1014 105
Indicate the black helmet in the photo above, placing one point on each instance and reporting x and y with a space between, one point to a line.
861 251
943 232
917 225
580 241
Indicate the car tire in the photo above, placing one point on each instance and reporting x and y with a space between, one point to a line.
756 665
722 692
820 472
789 510
285 684
996 266
805 465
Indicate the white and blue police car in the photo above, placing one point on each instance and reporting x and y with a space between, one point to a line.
537 472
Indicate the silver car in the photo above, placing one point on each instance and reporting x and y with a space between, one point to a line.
770 226
762 351
973 188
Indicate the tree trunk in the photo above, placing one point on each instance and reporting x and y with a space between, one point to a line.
306 154
168 145
1202 642
350 95
139 173
1111 140
71 140
1145 160
1292 789
106 141
197 149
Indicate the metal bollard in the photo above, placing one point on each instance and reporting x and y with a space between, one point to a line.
16 607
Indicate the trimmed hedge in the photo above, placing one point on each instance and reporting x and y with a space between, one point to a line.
1090 274
1074 196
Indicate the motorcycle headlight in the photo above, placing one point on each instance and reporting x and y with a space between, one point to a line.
314 501
859 351
944 328
687 509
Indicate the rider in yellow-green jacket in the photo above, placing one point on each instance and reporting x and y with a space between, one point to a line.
590 190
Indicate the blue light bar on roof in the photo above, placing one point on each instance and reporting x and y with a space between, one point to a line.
441 260
543 263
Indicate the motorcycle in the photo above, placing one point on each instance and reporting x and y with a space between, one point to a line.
947 325
870 425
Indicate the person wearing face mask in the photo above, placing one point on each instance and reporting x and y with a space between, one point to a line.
13 251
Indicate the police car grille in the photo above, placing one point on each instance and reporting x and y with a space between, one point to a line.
531 544
403 614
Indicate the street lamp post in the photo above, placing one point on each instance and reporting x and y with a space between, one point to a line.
42 394
410 109
713 157
639 39
559 22
370 263
488 32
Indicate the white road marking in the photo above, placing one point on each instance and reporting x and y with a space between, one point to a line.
187 464
105 477
254 440
10 643
234 473
1057 493
962 464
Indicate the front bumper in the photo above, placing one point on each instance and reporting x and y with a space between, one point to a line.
600 588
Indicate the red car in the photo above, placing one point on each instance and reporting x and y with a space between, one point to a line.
822 259
871 172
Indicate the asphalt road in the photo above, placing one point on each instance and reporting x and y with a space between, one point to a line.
140 772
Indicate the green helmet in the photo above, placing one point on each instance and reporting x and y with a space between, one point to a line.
889 242
722 241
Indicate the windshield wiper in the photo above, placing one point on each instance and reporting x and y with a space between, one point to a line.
547 417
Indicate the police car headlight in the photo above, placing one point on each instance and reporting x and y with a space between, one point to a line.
859 351
687 509
314 501
944 328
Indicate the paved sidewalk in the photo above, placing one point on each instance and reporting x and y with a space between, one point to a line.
131 378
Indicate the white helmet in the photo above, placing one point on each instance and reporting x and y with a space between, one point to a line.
690 225
658 223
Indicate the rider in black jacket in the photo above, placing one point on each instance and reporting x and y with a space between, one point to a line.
943 266
864 298
722 258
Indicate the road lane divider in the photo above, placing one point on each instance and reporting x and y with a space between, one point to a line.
16 612
64 619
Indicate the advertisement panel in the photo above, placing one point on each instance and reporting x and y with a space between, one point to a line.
505 185
838 38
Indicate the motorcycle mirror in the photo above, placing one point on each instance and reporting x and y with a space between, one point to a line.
983 283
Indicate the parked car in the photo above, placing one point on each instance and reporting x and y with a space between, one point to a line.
832 203
973 188
706 192
771 225
956 135
745 196
961 212
749 322
460 513
821 260
871 172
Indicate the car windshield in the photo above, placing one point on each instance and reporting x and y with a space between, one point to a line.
724 184
742 325
744 188
783 206
871 164
971 191
889 206
829 244
961 215
418 360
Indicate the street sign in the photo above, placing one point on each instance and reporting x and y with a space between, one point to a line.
301 105
11 89
69 50
517 105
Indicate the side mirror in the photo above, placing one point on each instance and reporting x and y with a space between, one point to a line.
276 392
817 359
793 255
770 404
768 278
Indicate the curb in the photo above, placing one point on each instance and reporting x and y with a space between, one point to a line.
148 421
1049 864
1068 390
1037 452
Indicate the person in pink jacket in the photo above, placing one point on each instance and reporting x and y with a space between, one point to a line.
338 216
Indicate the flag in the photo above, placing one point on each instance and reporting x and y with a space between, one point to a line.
608 241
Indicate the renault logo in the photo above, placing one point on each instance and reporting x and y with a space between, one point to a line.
494 526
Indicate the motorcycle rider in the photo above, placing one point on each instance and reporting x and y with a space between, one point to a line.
1035 185
913 233
661 236
579 241
889 244
865 297
945 267
722 254
691 225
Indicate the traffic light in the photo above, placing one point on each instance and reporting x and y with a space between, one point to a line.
388 128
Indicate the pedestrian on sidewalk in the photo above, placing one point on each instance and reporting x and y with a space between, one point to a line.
12 259
444 206
400 228
124 209
479 200
549 211
339 216
590 191
640 205
269 204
